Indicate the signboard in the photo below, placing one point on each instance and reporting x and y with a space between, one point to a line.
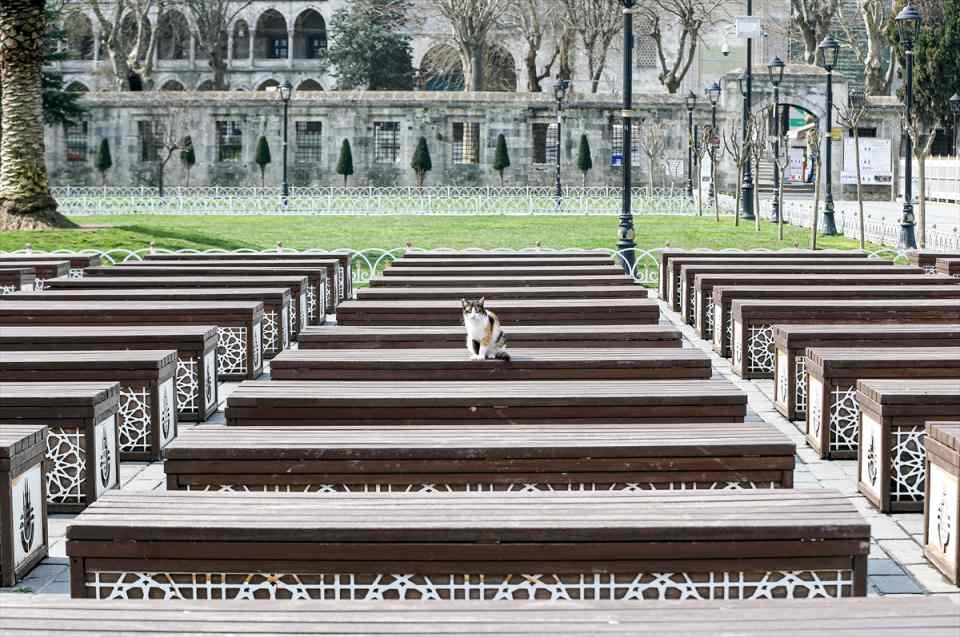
836 134
674 167
795 169
616 159
875 164
749 26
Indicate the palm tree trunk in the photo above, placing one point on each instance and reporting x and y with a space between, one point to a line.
25 200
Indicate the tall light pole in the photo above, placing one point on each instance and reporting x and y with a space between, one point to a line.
625 231
691 102
908 27
746 90
285 91
955 109
560 88
829 51
713 94
775 71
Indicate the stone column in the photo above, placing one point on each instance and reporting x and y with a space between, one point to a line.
290 41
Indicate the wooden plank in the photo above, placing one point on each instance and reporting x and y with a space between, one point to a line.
78 261
500 281
949 267
507 270
42 269
927 259
506 260
17 279
497 293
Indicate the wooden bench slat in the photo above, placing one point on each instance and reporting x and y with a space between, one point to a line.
497 293
500 281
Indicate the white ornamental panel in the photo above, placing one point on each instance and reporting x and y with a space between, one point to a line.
303 308
26 494
942 520
257 345
872 467
210 378
104 464
168 412
285 326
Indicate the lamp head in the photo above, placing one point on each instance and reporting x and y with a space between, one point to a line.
829 52
775 70
691 101
955 104
908 24
560 88
713 93
285 90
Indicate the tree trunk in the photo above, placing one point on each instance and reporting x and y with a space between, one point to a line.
699 194
736 189
922 212
856 156
25 199
756 194
533 80
473 68
219 67
816 206
779 195
716 188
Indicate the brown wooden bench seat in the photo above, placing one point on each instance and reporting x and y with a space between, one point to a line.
832 375
443 546
276 304
949 267
275 403
927 259
78 261
196 345
507 270
510 312
147 415
42 270
81 421
703 285
436 336
753 321
791 341
315 292
479 253
55 616
893 416
298 286
23 501
239 323
525 364
20 279
344 278
513 292
690 268
506 260
941 508
500 281
724 296
519 458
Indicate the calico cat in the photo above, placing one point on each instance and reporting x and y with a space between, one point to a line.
485 337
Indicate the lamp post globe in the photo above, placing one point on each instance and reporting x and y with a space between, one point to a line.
908 27
775 72
829 50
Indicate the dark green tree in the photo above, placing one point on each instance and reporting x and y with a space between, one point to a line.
59 106
421 163
262 157
501 158
345 162
188 158
370 47
103 161
584 158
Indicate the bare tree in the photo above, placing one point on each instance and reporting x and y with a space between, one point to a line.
814 141
878 65
849 117
535 21
652 139
781 161
738 151
700 143
757 148
171 131
211 24
812 18
711 141
472 23
922 133
597 22
689 18
130 40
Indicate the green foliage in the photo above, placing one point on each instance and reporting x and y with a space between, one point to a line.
371 47
501 157
262 156
345 162
59 106
584 157
103 161
421 163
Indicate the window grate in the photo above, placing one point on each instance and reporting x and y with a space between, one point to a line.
229 140
309 137
386 142
75 141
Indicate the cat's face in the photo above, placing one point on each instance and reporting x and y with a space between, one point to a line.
473 307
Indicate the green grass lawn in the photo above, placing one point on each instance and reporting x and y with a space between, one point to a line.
359 232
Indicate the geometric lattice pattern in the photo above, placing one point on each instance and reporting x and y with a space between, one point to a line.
232 351
676 290
479 487
135 419
692 310
567 586
67 469
271 334
727 332
312 303
39 285
800 378
188 386
75 273
293 317
760 349
708 322
844 420
907 471
8 289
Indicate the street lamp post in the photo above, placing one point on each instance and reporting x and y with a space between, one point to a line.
713 94
955 109
829 50
625 231
560 89
908 26
775 71
691 101
746 90
285 91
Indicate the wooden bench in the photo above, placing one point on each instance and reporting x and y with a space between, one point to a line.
949 267
790 343
147 415
406 337
78 261
500 281
42 270
315 293
506 260
724 296
21 279
927 259
509 311
893 415
446 546
81 421
275 403
55 616
941 509
753 321
239 323
690 268
703 285
517 458
298 286
196 345
507 271
276 304
525 364
23 501
479 253
832 375
498 293
344 278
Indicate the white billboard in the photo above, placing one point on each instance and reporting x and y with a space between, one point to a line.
875 164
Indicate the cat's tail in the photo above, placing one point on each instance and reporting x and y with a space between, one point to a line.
502 355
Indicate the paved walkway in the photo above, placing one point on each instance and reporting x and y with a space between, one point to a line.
896 564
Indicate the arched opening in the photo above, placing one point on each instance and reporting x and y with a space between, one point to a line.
797 121
173 36
129 29
271 83
78 32
440 70
309 35
271 37
241 40
76 87
310 85
172 85
499 70
206 85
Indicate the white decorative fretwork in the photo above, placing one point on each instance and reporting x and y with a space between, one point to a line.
800 378
8 289
760 349
844 420
134 420
676 290
271 333
232 351
312 303
188 386
708 321
67 466
75 273
257 345
39 285
457 586
483 487
907 470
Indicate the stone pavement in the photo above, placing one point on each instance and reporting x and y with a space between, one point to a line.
896 565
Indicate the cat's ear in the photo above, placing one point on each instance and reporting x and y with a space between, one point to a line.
463 303
481 301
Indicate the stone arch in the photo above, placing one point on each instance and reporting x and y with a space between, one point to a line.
267 84
206 85
499 70
309 35
173 36
440 69
172 85
78 31
128 28
271 37
76 87
241 40
310 85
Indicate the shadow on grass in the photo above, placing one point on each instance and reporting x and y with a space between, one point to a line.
157 234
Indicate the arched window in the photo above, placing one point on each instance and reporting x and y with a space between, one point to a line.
499 70
128 29
272 38
173 37
172 85
206 85
309 85
309 35
441 70
78 31
241 40
271 83
76 87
